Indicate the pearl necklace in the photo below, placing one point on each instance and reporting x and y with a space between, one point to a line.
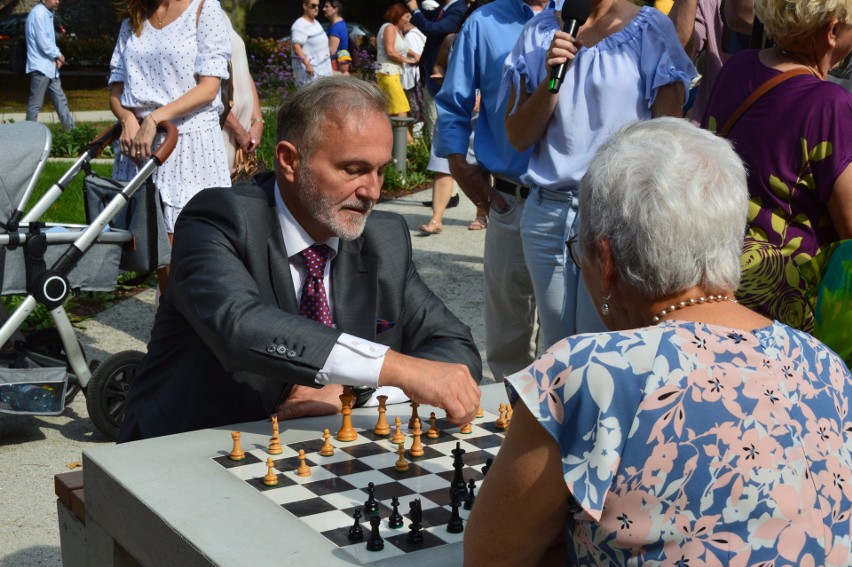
689 303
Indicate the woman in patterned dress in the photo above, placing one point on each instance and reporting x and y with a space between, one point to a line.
695 431
796 144
167 65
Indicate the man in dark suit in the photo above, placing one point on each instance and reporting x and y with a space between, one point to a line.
255 321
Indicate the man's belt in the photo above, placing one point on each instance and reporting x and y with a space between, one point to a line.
511 188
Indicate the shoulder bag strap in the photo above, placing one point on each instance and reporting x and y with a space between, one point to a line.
759 92
198 13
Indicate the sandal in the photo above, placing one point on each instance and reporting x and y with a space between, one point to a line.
479 223
431 228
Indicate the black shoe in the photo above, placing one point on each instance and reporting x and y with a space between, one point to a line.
453 202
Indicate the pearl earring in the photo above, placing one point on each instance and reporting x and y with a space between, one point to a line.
605 305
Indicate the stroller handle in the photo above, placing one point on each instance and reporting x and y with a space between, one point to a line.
160 155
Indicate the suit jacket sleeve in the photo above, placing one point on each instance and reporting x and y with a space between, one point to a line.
430 330
449 22
224 284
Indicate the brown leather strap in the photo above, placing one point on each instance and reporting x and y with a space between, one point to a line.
759 92
198 13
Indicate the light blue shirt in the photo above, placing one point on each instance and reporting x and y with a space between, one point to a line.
42 52
608 85
476 62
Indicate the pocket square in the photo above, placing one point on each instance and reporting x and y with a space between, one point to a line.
383 325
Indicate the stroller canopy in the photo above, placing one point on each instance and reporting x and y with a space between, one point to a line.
23 145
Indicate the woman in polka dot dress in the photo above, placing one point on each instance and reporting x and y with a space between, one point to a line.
167 65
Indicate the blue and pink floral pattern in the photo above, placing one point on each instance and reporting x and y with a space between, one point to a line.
694 444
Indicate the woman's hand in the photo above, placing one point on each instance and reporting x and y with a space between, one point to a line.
243 139
140 148
255 135
129 128
563 48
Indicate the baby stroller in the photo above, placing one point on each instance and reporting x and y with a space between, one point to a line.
42 372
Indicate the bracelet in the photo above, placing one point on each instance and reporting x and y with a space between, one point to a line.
151 116
256 120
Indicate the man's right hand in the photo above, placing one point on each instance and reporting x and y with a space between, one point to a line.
474 182
446 385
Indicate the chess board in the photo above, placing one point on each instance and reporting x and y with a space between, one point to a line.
327 499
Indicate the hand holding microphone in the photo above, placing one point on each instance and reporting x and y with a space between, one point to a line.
574 14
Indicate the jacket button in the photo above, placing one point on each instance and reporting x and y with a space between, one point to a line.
291 354
282 349
271 348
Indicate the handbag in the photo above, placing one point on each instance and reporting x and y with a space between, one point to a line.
246 166
142 216
829 291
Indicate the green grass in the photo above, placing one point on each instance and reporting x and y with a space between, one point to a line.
68 208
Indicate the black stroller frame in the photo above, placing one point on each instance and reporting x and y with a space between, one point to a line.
105 384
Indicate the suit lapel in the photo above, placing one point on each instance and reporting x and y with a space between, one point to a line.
355 287
279 263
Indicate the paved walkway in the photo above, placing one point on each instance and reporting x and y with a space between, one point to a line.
34 449
46 117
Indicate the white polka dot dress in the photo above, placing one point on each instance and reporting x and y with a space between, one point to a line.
158 67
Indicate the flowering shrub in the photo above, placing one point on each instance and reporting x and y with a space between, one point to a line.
270 65
269 62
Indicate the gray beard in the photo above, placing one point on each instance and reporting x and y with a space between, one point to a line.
324 210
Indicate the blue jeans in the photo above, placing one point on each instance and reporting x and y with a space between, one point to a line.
564 306
39 84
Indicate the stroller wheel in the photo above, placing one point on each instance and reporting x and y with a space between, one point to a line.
46 342
108 388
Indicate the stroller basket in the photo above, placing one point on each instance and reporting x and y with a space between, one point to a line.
28 389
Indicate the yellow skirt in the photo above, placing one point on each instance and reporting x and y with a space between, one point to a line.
392 87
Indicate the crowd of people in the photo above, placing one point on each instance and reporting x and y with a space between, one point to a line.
658 222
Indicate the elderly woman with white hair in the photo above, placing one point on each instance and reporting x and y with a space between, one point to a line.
795 141
695 431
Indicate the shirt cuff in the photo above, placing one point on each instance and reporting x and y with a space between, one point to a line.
394 394
353 361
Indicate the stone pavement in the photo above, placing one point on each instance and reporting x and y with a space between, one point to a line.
50 117
33 449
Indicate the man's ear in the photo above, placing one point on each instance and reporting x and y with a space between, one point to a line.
288 159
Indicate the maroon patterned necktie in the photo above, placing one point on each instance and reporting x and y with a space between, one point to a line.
314 303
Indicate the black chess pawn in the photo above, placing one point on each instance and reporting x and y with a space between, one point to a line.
375 543
356 532
455 525
371 506
487 466
468 502
395 521
415 514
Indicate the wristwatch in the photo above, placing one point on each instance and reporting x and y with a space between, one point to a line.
362 395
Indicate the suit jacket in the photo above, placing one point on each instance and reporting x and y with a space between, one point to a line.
435 29
228 340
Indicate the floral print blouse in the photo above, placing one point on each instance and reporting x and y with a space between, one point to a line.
795 143
694 444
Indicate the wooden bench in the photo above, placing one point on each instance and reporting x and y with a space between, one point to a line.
71 513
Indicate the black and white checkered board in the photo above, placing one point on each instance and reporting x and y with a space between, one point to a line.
326 500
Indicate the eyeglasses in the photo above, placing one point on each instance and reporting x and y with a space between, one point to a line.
572 250
313 6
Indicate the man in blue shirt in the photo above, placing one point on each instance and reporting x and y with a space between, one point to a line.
476 63
43 62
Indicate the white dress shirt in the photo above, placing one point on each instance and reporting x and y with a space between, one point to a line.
353 361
